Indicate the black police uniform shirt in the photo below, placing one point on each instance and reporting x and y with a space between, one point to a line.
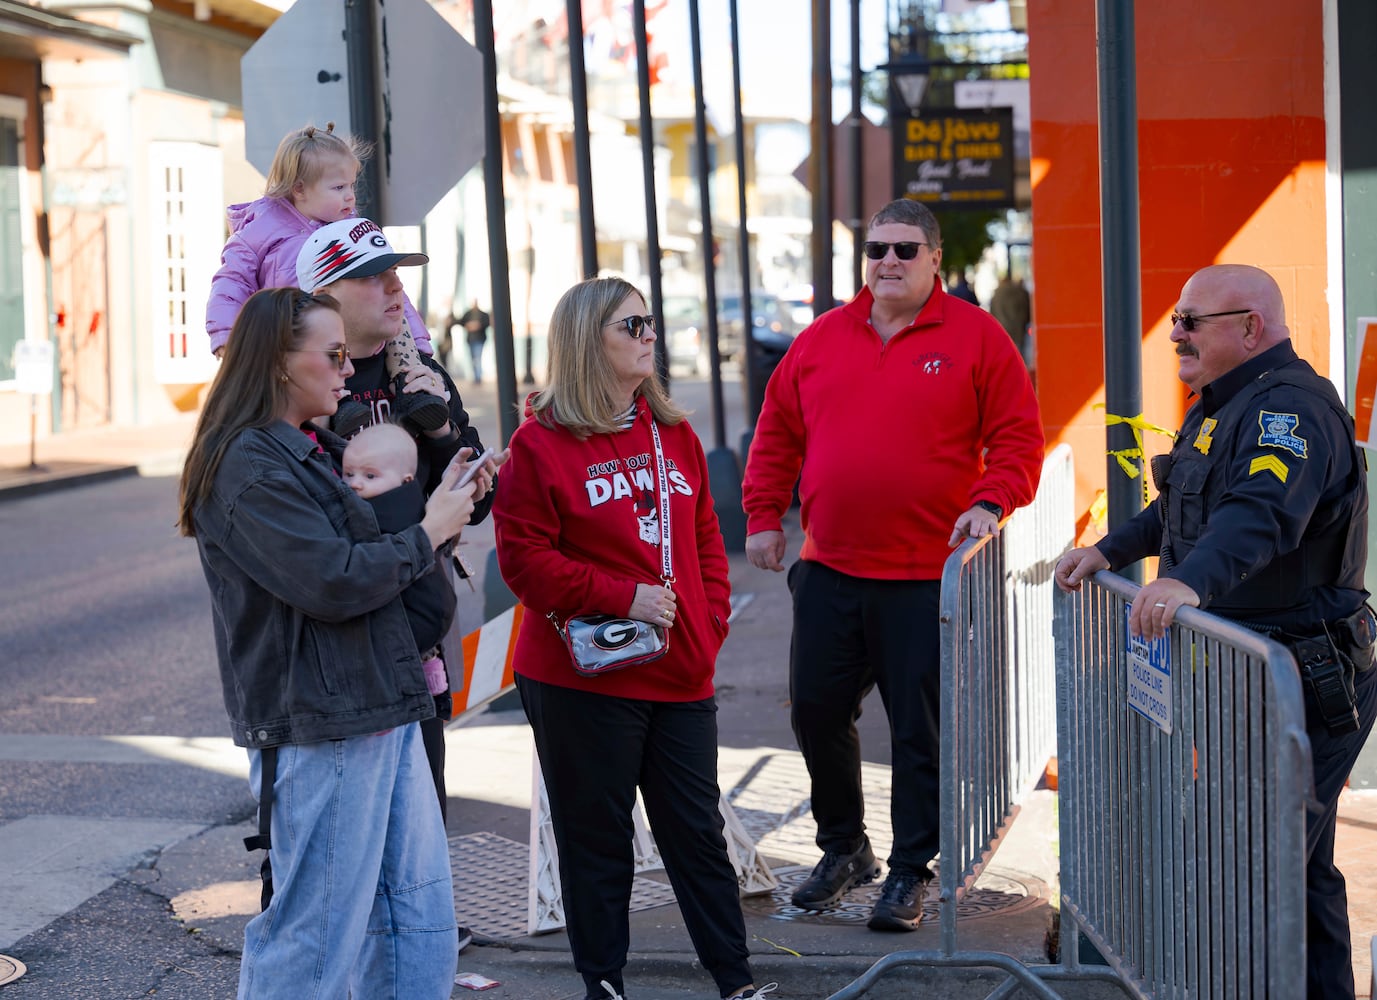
1264 511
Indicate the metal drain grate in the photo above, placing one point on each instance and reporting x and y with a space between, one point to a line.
492 884
998 892
491 887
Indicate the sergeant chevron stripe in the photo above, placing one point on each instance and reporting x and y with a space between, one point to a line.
1269 463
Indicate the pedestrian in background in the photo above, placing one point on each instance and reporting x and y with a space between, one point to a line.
1012 306
1261 518
961 289
912 420
475 323
321 679
579 531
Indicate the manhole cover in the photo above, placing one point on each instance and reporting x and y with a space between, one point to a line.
997 892
10 969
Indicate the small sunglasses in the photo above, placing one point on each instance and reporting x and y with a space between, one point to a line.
340 354
1189 322
876 250
635 326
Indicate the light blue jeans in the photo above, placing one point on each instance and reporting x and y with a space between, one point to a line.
363 901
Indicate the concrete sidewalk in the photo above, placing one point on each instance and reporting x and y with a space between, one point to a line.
211 881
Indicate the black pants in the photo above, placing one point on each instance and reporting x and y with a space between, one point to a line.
1329 956
594 751
850 635
433 739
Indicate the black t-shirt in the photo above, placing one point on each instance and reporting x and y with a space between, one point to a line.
370 385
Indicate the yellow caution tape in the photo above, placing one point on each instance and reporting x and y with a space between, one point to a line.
1128 458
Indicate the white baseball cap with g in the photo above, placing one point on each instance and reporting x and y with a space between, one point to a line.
350 248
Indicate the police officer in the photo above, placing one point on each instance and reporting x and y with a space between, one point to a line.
1261 517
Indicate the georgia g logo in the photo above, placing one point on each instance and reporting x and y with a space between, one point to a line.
378 240
614 633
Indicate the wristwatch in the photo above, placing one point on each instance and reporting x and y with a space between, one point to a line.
991 506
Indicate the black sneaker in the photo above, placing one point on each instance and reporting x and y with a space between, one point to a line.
350 417
421 410
465 938
834 875
900 906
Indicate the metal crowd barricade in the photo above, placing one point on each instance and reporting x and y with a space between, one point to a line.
1182 823
1182 829
998 705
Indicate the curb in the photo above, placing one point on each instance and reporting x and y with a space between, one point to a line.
49 482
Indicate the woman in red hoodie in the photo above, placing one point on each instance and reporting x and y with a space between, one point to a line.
579 531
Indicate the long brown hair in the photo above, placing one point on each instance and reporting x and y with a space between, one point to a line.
249 390
581 395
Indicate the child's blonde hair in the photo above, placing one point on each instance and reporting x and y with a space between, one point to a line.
302 155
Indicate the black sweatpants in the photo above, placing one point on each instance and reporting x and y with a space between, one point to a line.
594 751
850 635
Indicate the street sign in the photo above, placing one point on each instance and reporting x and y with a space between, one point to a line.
33 367
430 97
296 75
951 158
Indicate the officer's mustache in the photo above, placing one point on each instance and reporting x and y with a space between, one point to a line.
1187 349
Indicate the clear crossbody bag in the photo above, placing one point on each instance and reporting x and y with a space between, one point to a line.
600 644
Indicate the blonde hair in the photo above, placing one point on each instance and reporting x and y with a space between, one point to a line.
302 156
582 393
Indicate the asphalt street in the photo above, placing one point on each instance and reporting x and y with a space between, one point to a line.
122 871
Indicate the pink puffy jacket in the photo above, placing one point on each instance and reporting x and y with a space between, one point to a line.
265 237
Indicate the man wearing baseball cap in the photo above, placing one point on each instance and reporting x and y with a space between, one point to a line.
357 248
352 261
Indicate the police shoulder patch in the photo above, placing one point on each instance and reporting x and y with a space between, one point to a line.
1279 431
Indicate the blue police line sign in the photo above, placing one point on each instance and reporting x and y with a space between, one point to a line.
1149 677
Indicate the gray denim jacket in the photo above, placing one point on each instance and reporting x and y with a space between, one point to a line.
310 631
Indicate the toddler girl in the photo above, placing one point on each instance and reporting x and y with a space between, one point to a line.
310 183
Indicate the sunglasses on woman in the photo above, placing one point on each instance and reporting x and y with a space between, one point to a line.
340 354
635 326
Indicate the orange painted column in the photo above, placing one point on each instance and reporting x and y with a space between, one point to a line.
1231 170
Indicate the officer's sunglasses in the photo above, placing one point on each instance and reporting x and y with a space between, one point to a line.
1189 322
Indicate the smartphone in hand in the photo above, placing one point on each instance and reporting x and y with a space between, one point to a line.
474 465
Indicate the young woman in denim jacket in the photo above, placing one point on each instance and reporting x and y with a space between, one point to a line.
317 663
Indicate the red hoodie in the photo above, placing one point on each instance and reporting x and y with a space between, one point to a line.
577 529
900 438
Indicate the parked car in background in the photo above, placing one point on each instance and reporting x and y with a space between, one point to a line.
796 307
685 334
765 314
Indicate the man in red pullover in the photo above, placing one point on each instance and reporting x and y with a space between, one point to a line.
912 419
